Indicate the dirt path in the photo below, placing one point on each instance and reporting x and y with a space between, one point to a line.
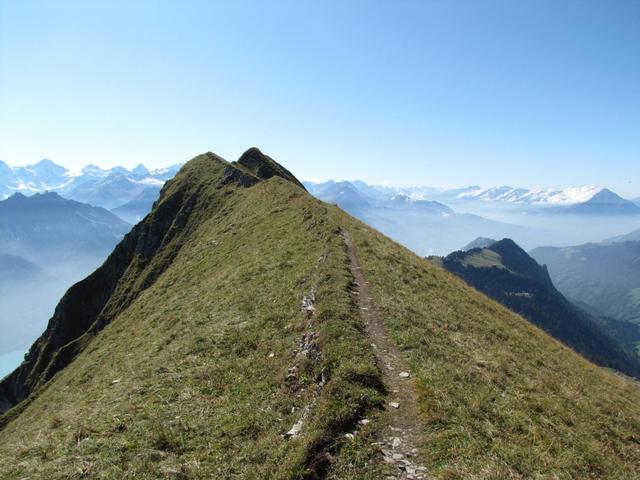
401 438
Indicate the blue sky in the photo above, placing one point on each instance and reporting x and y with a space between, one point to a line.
526 93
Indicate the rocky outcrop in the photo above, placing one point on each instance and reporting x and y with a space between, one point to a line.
264 167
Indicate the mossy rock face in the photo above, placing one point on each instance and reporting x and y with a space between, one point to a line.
191 353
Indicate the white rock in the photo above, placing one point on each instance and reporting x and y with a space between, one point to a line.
404 374
295 430
394 405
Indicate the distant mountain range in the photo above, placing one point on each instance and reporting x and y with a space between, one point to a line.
135 209
28 295
587 200
48 229
47 243
15 269
359 195
506 273
604 202
133 192
629 237
425 226
567 196
107 188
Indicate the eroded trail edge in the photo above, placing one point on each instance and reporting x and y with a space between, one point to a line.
401 437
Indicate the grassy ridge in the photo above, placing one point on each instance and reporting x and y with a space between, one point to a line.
197 393
209 365
499 398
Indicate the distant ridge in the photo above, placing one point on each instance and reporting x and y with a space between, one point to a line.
409 216
603 275
534 197
107 188
506 273
605 202
628 237
17 269
47 228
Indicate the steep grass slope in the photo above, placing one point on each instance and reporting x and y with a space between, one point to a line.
236 348
500 398
506 273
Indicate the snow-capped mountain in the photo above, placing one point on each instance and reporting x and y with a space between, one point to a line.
504 194
588 200
108 188
537 196
355 195
407 215
42 176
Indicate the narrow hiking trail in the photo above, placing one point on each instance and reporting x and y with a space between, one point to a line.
401 438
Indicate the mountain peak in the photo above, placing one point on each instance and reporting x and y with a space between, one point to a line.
509 275
4 168
46 161
49 166
16 197
91 169
480 242
605 202
264 167
607 196
140 169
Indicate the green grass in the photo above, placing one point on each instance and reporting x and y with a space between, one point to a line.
198 394
484 258
499 398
